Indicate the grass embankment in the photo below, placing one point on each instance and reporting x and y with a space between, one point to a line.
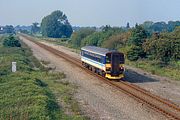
155 67
33 92
170 70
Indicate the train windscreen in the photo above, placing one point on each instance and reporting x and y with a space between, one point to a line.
108 58
121 58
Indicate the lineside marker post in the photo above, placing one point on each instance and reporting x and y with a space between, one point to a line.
13 66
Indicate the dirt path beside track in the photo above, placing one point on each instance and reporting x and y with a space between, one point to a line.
96 99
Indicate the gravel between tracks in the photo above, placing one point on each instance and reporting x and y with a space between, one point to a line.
96 99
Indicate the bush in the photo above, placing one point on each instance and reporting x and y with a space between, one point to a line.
165 47
135 53
11 41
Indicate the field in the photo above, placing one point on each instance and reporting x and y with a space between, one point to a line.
33 92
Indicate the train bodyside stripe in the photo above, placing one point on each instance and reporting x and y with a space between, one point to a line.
93 63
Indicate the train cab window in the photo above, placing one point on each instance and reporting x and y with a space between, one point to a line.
108 59
122 59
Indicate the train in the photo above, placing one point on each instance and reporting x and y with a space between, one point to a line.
105 62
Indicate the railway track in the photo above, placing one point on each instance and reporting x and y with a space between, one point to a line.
163 106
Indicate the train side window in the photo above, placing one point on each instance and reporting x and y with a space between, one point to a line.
103 59
98 60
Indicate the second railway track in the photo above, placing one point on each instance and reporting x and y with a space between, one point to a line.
163 106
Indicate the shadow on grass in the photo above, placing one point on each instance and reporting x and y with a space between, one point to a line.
134 77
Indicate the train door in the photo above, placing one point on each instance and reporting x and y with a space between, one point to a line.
115 61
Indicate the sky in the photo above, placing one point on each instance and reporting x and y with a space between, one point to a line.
90 12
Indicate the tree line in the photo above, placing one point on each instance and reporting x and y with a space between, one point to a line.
150 40
137 42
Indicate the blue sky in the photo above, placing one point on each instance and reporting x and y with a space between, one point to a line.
90 12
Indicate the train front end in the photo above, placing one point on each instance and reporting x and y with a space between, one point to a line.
115 65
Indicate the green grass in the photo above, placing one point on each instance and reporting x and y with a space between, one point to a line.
33 92
154 67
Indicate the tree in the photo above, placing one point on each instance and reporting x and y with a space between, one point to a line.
35 28
11 41
9 29
135 53
159 27
98 38
79 35
164 47
128 26
116 41
147 24
106 28
56 25
172 25
138 36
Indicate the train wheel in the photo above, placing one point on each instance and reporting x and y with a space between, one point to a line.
102 73
122 79
90 68
86 65
83 64
98 71
94 69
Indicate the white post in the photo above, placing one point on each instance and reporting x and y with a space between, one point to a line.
13 66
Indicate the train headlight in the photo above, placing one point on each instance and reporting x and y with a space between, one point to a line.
121 68
108 69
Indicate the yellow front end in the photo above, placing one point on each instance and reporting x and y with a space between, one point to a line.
114 77
108 72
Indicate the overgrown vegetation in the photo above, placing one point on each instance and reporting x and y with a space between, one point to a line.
32 92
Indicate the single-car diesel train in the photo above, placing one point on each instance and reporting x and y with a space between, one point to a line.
108 63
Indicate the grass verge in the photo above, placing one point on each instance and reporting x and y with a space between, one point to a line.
154 67
32 92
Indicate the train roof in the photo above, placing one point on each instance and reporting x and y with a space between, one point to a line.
97 50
